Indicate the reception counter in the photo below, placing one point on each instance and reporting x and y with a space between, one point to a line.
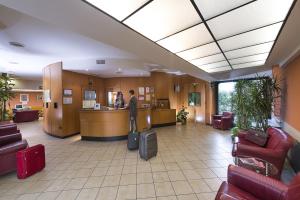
109 125
163 117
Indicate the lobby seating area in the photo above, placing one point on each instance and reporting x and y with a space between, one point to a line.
224 121
10 142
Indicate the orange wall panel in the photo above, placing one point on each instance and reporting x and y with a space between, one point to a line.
33 100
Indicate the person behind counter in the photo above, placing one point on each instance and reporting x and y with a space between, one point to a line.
119 102
132 105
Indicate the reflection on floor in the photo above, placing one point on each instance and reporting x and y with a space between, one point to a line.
191 164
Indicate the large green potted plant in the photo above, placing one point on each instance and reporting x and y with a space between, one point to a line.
6 93
182 116
253 102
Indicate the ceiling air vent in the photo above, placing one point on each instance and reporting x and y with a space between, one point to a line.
17 44
100 62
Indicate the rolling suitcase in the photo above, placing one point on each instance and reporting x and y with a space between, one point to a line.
133 140
148 144
30 161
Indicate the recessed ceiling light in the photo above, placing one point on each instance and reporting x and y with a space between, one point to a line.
17 44
87 70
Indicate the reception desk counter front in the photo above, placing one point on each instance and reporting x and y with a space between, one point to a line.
110 124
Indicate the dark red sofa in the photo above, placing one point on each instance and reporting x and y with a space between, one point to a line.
243 184
10 142
275 150
26 116
224 121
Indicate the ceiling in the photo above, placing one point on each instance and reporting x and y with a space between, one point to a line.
236 37
231 35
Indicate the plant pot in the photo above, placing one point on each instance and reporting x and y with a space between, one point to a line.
183 122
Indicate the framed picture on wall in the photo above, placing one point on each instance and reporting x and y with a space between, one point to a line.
141 91
194 99
39 97
24 98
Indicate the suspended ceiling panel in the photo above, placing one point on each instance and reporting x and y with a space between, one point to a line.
199 52
249 64
213 35
252 50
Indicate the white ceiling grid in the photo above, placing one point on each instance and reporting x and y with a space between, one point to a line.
213 35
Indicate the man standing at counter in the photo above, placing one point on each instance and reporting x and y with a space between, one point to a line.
132 105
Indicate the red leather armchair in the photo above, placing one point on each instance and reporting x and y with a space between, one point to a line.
243 184
224 121
8 128
274 151
10 143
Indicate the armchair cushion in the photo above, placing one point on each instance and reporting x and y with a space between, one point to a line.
228 191
257 137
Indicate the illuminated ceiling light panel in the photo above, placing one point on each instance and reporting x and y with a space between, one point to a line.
208 59
265 34
250 64
198 52
257 49
219 69
211 8
249 17
189 38
249 59
214 65
116 8
162 18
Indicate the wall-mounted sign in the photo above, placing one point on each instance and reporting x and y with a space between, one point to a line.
67 92
67 100
141 91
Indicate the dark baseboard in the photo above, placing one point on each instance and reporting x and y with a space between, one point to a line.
114 138
162 125
61 137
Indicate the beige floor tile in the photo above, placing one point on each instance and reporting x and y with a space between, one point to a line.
129 169
114 170
207 196
75 183
111 180
99 171
172 166
48 195
144 178
28 196
199 186
107 193
160 177
83 173
206 173
143 168
182 187
220 172
176 176
158 167
145 190
93 182
68 195
126 192
88 194
187 197
39 186
191 174
167 198
213 183
164 189
128 179
58 185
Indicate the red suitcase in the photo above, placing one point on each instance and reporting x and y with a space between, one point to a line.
30 161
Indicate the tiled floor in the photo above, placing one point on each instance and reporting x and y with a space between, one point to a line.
191 164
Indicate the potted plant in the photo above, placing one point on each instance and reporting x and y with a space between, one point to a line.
6 86
253 102
182 116
234 132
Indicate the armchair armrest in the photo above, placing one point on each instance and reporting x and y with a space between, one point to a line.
270 155
217 117
258 185
10 138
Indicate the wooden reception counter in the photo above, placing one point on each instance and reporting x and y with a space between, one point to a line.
110 124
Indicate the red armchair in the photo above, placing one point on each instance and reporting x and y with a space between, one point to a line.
243 184
274 151
8 128
10 143
224 121
26 116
